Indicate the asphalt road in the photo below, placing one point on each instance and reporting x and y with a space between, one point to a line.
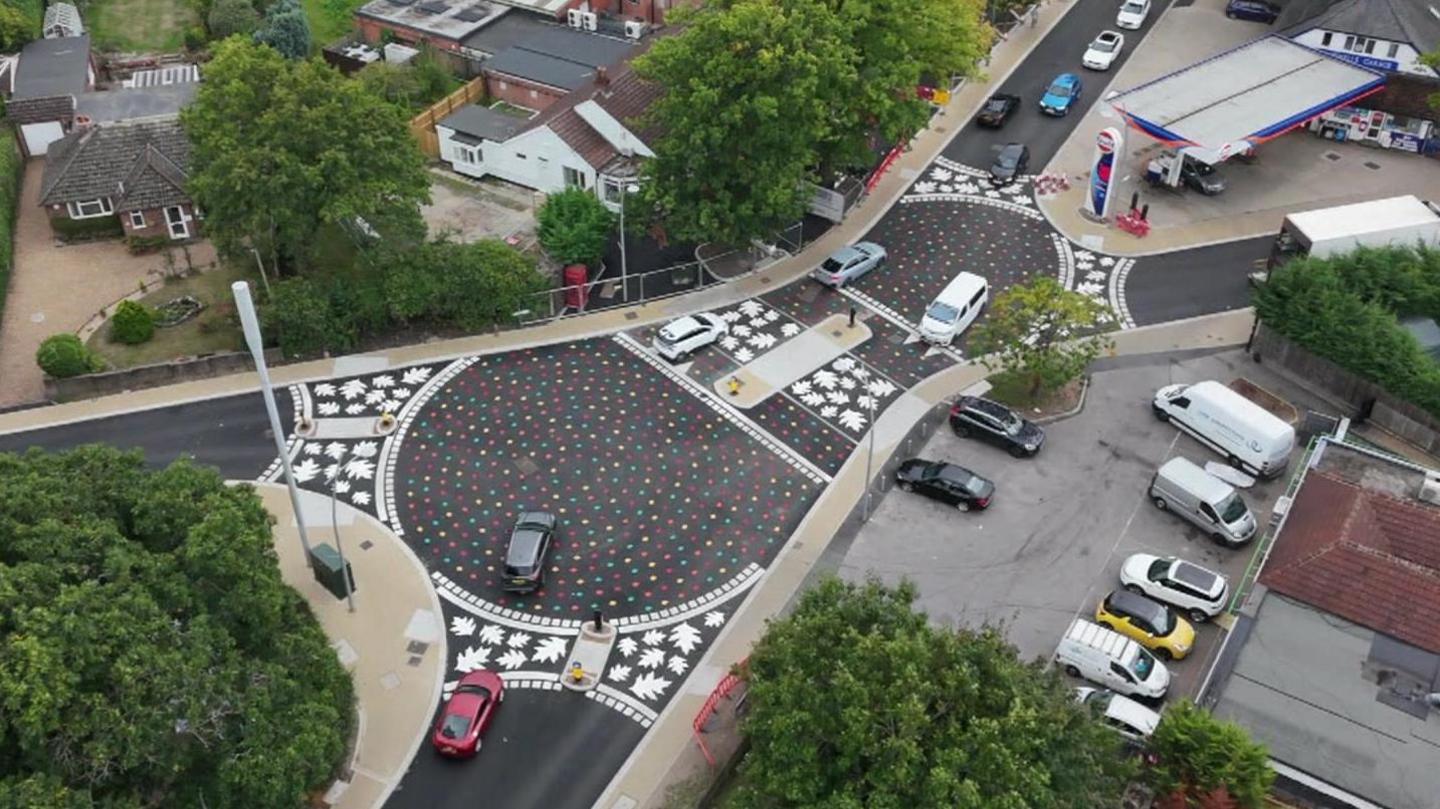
1059 52
1193 282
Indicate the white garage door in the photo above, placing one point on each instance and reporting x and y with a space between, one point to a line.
38 137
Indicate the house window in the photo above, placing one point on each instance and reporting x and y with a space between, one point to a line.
465 154
1394 51
137 219
90 208
534 94
574 178
612 190
1325 39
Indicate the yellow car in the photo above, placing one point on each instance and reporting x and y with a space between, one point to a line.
1151 623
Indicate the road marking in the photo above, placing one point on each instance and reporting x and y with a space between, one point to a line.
1118 277
1067 260
473 604
384 499
737 584
911 331
726 411
611 697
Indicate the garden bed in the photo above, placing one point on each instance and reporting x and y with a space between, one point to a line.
1047 407
211 331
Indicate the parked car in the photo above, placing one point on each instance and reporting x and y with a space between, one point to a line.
1201 593
530 540
1061 95
1132 14
467 715
1201 177
997 110
1119 713
1146 620
684 336
1010 162
1106 657
849 263
1211 504
1103 52
1252 10
945 482
994 423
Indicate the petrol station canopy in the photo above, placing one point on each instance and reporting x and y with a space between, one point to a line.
1243 97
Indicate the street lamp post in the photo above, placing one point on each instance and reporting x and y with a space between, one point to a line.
335 528
245 307
625 191
870 457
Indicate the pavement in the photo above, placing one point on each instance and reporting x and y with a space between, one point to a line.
1295 172
55 289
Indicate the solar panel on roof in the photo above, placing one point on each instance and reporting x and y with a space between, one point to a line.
433 7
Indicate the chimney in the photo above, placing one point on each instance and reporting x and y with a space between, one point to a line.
82 123
602 76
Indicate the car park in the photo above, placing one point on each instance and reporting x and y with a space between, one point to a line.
1143 619
1010 162
945 482
1103 52
1201 593
1108 658
994 423
1062 94
954 309
1208 502
1132 14
684 336
849 263
1252 10
530 540
1121 714
1250 437
462 723
997 110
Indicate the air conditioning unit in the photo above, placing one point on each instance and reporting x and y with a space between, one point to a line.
575 17
634 28
1430 490
588 20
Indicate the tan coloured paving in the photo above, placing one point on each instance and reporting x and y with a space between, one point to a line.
57 289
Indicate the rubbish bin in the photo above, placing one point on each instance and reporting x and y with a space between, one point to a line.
325 563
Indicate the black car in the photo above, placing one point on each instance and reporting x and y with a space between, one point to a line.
1010 163
997 110
945 482
973 417
1253 10
525 557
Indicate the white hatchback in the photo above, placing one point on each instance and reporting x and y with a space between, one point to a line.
684 336
1103 52
1200 592
1132 14
1120 713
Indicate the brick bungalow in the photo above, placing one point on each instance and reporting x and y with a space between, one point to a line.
133 171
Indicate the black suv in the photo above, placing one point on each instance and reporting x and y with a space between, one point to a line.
525 558
945 482
973 417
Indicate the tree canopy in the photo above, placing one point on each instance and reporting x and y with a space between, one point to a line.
286 29
856 700
1201 760
280 148
150 655
575 226
1037 332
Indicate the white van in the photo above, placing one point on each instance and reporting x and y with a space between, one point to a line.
1185 489
954 309
1106 657
1248 435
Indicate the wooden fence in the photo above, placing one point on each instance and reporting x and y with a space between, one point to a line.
422 126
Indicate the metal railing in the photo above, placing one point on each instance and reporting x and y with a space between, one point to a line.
1262 548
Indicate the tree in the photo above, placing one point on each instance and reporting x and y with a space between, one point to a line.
856 700
280 149
14 28
230 17
1037 332
575 226
63 355
286 29
132 324
1432 61
398 84
464 286
746 103
150 654
1207 761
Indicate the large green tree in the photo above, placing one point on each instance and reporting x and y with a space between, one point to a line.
150 655
575 226
1042 334
1197 757
286 29
748 98
857 701
281 148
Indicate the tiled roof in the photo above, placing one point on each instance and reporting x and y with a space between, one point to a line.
626 98
138 164
37 110
1411 21
1367 557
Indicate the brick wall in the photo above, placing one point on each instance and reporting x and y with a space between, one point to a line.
1406 95
155 225
521 93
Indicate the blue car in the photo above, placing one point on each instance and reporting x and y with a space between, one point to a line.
1253 10
1061 95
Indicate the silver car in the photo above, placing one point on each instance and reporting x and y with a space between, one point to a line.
849 263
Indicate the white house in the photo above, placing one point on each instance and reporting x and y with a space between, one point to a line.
1388 35
587 140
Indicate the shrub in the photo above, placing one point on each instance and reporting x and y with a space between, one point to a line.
132 324
195 38
575 226
463 286
63 355
84 230
230 17
11 169
144 245
302 320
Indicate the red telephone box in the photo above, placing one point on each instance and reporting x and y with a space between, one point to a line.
577 287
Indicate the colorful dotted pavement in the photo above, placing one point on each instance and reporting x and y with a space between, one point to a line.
660 499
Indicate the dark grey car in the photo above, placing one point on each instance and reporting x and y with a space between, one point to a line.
994 423
945 482
530 540
1010 163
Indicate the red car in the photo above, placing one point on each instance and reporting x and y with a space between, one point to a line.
467 715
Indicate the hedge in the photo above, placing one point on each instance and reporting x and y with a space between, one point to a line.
1347 309
100 227
12 169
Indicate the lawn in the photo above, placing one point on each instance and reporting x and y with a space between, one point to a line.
140 26
209 332
323 29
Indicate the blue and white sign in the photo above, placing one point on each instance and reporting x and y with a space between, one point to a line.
1102 170
1364 61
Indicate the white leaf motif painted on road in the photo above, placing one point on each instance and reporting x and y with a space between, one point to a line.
375 397
880 387
847 382
617 674
924 187
492 634
517 640
389 406
415 376
650 658
838 397
383 381
714 618
730 316
336 450
352 389
744 355
728 343
677 664
360 498
648 686
653 638
474 657
941 174
758 323
306 470
462 625
851 420
362 468
328 409
843 364
313 449
829 411
742 331
826 379
627 646
512 659
1107 261
324 389
800 388
813 399
549 650
355 409
365 449
771 316
751 308
400 393
763 340
342 486
790 329
685 637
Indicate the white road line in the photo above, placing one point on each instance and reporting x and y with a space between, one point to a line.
469 602
727 411
1117 292
899 322
737 584
1067 260
972 199
612 697
390 447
